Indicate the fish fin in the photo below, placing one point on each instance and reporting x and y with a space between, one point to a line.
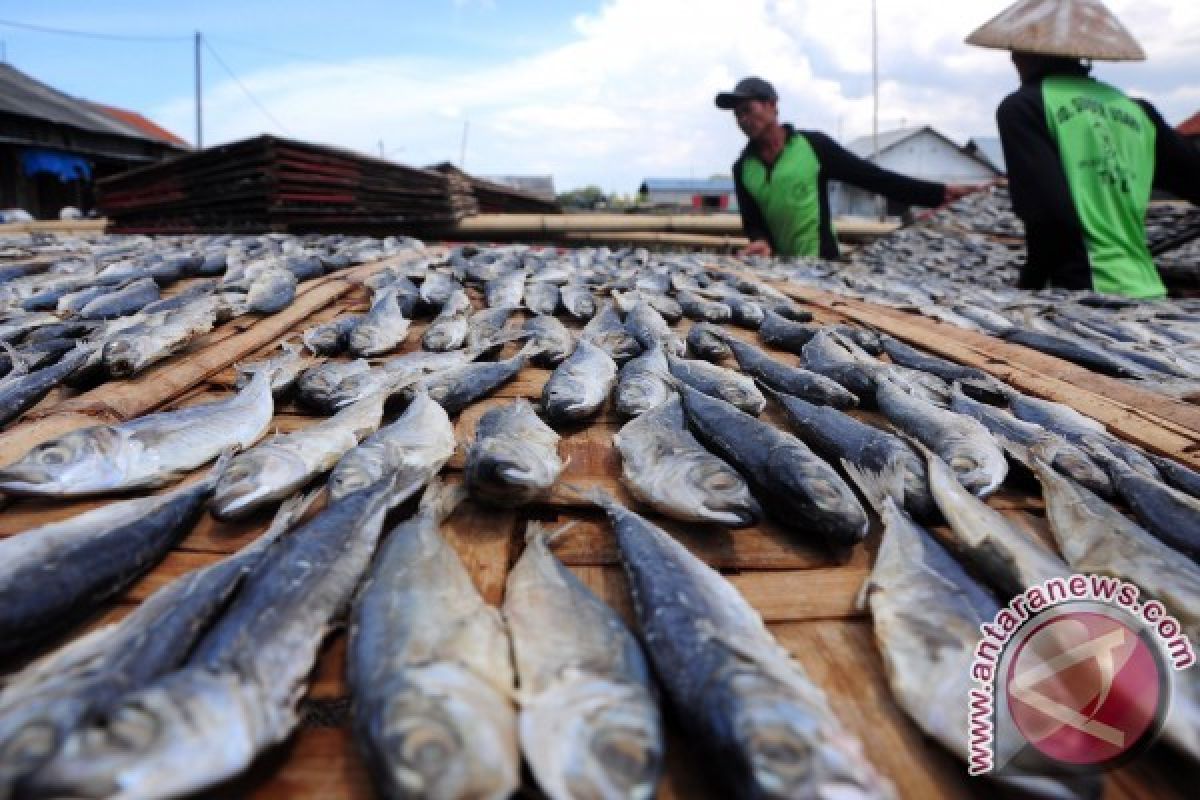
916 444
879 486
1041 451
20 366
222 463
1018 451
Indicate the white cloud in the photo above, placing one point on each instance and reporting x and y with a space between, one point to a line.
631 94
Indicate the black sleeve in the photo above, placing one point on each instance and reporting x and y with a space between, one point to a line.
1176 160
839 164
753 222
1041 196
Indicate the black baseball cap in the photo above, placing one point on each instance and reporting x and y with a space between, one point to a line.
747 89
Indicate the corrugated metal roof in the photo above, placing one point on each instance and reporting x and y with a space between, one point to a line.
23 95
1190 126
990 149
863 146
697 185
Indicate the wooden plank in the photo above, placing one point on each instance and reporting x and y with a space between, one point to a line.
1154 421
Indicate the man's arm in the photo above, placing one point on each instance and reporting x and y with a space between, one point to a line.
1176 160
839 164
753 222
1040 194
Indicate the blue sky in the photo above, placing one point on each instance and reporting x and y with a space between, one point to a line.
592 92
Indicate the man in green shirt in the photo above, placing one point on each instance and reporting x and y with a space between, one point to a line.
1082 157
782 178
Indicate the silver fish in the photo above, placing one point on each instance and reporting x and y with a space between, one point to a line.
60 558
1095 538
414 448
651 330
606 330
514 458
962 442
437 288
725 384
738 694
541 297
485 329
318 386
505 291
133 350
663 466
384 328
926 612
578 300
21 390
237 693
272 291
430 671
285 369
706 342
1010 559
148 451
551 340
579 385
276 468
448 331
589 721
640 384
330 338
42 704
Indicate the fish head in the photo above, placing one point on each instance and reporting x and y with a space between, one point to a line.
721 491
742 396
784 740
157 742
973 473
593 738
358 469
502 463
257 477
561 399
365 338
124 355
640 393
89 458
444 732
28 740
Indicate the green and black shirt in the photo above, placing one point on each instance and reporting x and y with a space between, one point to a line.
1082 159
787 202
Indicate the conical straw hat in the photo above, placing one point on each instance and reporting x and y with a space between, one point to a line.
1071 28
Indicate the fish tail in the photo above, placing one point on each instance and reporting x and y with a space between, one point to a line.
535 530
440 499
878 487
595 496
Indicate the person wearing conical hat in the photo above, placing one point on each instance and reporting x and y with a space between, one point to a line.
1082 157
782 176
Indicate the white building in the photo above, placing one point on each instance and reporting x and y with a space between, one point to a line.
916 152
711 194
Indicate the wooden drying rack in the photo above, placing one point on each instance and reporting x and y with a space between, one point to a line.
807 596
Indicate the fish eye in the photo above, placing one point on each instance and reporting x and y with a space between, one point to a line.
53 454
34 741
963 463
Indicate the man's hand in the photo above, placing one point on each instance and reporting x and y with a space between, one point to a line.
759 247
954 191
